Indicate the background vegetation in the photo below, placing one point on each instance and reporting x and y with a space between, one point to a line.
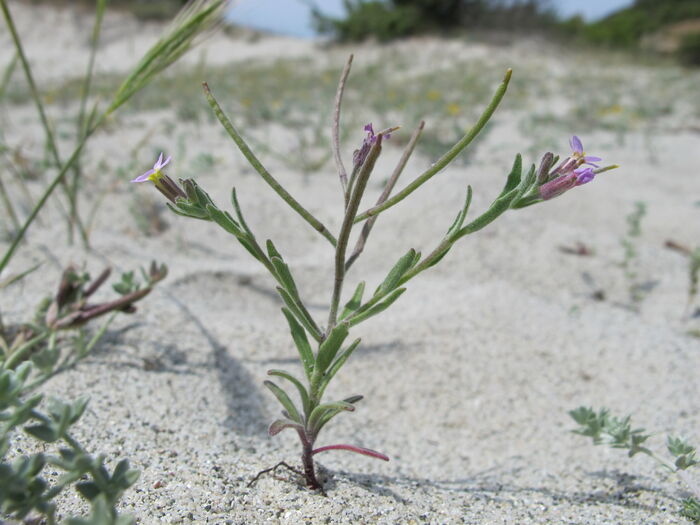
648 24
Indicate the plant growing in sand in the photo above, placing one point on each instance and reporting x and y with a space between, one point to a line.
693 256
605 429
24 489
630 261
32 353
324 349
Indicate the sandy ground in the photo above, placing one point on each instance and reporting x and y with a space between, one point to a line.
467 380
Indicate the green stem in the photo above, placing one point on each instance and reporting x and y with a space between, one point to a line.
7 74
8 206
346 228
19 355
447 157
255 163
47 193
37 101
81 124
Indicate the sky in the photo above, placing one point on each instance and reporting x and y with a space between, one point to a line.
292 17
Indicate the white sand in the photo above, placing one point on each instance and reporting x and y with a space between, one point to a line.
467 380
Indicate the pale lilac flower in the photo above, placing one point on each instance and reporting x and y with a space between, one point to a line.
577 152
571 172
154 173
584 175
162 182
578 157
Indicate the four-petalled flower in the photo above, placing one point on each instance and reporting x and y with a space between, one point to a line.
571 172
162 182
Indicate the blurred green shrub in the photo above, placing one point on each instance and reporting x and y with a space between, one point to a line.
625 27
387 20
371 19
689 50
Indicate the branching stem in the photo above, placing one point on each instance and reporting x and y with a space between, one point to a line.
447 157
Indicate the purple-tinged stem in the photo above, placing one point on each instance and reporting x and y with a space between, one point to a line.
309 468
353 448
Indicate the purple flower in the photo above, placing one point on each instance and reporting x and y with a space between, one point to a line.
162 182
570 173
154 173
584 175
359 155
578 153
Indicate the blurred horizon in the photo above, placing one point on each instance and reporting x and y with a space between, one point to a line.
293 17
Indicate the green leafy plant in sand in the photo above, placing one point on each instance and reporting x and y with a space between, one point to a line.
605 429
32 353
323 350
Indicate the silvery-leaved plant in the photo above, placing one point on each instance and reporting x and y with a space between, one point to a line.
30 484
606 429
325 348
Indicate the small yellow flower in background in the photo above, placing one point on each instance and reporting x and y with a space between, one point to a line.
614 109
454 109
433 95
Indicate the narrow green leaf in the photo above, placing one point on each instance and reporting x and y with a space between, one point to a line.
304 319
202 197
318 413
248 245
459 221
329 348
377 308
285 400
279 425
284 275
416 258
303 394
395 274
301 342
271 250
515 175
188 210
498 207
224 220
330 414
526 184
337 365
354 302
438 258
239 213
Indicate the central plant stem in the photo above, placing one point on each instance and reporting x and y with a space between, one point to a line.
307 460
346 228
